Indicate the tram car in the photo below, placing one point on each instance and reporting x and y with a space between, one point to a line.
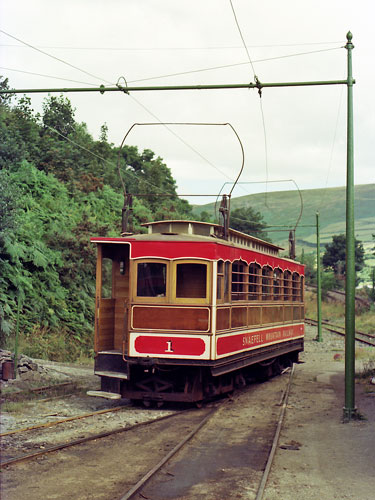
182 314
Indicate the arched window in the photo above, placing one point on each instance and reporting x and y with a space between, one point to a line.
239 280
266 283
296 287
254 281
223 269
277 284
287 285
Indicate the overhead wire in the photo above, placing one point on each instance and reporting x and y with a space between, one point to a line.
180 138
136 100
224 66
47 76
181 73
332 149
129 49
260 92
100 157
51 56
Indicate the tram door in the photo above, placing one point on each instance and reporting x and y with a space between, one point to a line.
112 297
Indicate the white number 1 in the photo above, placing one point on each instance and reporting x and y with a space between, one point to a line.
169 346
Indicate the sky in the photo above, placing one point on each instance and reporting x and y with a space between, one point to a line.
295 135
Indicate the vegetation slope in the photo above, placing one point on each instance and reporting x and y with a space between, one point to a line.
59 187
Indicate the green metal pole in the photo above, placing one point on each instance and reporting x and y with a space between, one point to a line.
318 281
349 409
102 89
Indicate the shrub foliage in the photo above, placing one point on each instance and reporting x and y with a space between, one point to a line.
58 187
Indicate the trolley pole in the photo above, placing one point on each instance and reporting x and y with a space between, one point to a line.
350 410
318 281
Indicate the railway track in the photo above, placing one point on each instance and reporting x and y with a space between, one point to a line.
365 338
74 442
262 483
150 449
55 389
59 422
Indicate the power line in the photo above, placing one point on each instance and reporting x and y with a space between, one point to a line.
242 38
100 157
260 92
212 68
180 138
224 66
46 76
129 49
53 57
138 102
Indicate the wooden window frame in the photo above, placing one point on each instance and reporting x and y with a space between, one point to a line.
267 284
278 288
134 270
243 294
287 286
190 300
257 293
296 287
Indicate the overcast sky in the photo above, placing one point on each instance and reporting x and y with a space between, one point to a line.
305 128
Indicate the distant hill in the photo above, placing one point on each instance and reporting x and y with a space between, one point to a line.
283 208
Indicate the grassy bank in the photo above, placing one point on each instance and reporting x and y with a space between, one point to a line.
334 312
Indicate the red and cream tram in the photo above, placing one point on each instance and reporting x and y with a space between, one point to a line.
182 314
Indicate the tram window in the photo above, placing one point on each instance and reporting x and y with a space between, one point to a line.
191 281
226 281
266 283
220 280
296 287
254 270
238 279
277 287
151 279
287 285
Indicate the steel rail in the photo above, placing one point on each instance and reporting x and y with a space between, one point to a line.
266 472
130 493
327 326
62 421
29 456
37 390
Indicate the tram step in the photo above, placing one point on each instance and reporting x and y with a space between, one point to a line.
103 394
111 374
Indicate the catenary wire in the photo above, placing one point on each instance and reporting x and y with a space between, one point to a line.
228 47
212 68
260 92
47 76
332 149
180 138
136 100
224 66
53 57
101 158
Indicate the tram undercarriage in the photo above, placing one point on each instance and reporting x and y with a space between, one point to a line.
157 381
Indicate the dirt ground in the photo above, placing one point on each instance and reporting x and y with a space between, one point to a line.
318 457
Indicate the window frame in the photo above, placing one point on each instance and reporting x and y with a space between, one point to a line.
143 299
190 300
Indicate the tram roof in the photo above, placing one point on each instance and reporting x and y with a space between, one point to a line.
198 228
186 230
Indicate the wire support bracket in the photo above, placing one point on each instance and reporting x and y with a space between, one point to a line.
121 87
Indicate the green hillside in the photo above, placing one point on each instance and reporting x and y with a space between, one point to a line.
283 208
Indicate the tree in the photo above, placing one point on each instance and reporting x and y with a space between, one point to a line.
59 115
247 220
335 255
